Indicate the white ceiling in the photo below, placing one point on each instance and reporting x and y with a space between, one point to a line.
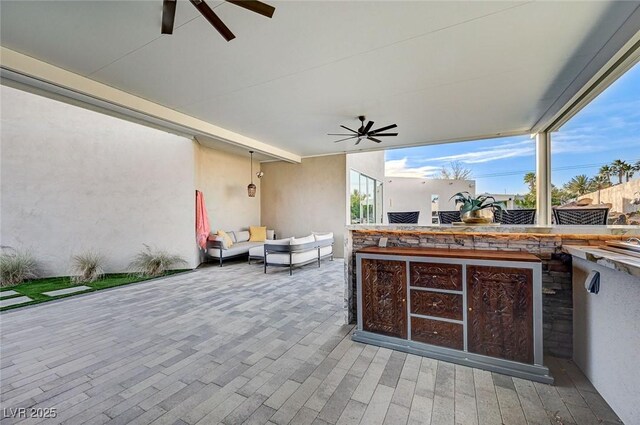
440 70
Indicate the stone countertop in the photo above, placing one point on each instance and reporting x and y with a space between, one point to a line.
621 262
528 229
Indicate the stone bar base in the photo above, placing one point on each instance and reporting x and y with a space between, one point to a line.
546 243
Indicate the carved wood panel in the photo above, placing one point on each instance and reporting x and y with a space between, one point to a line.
443 334
435 275
384 292
436 304
500 316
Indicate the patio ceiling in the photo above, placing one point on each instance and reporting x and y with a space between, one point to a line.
441 70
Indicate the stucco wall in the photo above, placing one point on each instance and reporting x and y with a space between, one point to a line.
298 199
74 179
369 163
606 339
414 194
619 196
223 178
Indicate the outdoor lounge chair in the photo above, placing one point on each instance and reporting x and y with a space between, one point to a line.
524 216
448 217
409 217
581 216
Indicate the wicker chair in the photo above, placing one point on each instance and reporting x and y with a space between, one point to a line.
524 216
448 217
409 217
581 216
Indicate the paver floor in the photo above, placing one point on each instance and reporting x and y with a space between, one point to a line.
232 345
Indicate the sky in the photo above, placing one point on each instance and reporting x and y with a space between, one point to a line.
605 130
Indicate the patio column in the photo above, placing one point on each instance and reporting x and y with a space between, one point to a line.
543 178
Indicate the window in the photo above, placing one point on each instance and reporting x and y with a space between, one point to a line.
366 199
596 159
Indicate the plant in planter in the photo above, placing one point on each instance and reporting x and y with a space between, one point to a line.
477 210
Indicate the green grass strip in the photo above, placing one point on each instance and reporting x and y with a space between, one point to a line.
34 288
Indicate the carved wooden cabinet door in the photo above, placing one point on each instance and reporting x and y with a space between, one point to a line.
500 312
384 293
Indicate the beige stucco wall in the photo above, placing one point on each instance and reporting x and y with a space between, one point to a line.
74 179
414 194
223 178
619 196
606 338
298 199
368 163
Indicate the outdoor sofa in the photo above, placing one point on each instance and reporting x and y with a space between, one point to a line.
293 252
218 249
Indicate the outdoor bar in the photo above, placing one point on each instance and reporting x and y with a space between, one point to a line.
557 290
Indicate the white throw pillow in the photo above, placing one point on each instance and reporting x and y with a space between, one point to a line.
242 236
306 239
271 234
322 236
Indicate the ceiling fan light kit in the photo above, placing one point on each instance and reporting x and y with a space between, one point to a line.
365 132
169 14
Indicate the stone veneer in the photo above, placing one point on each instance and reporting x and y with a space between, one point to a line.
556 266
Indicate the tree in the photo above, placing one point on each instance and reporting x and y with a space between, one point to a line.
628 170
356 202
530 180
456 171
579 185
620 168
605 172
600 182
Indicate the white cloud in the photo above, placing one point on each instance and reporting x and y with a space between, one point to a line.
510 150
399 168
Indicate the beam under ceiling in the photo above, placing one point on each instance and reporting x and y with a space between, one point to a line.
27 72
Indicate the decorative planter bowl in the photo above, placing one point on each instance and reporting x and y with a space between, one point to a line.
484 216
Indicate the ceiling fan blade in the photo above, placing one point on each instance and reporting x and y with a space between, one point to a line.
168 16
368 127
383 129
339 134
255 6
213 19
347 128
374 139
359 139
383 134
347 138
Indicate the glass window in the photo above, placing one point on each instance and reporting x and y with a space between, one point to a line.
366 199
596 159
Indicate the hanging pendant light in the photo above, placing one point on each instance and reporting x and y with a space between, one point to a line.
251 189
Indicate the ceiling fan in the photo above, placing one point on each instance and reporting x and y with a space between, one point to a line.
365 132
169 14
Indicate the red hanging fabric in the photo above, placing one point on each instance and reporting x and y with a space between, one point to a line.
202 221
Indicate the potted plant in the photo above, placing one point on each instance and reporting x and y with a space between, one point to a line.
478 210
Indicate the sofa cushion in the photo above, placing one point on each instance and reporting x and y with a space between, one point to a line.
322 236
296 257
257 251
306 239
326 250
242 236
258 233
286 241
227 241
271 234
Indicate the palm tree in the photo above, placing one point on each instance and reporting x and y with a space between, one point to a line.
530 180
618 167
605 171
628 171
600 182
579 185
